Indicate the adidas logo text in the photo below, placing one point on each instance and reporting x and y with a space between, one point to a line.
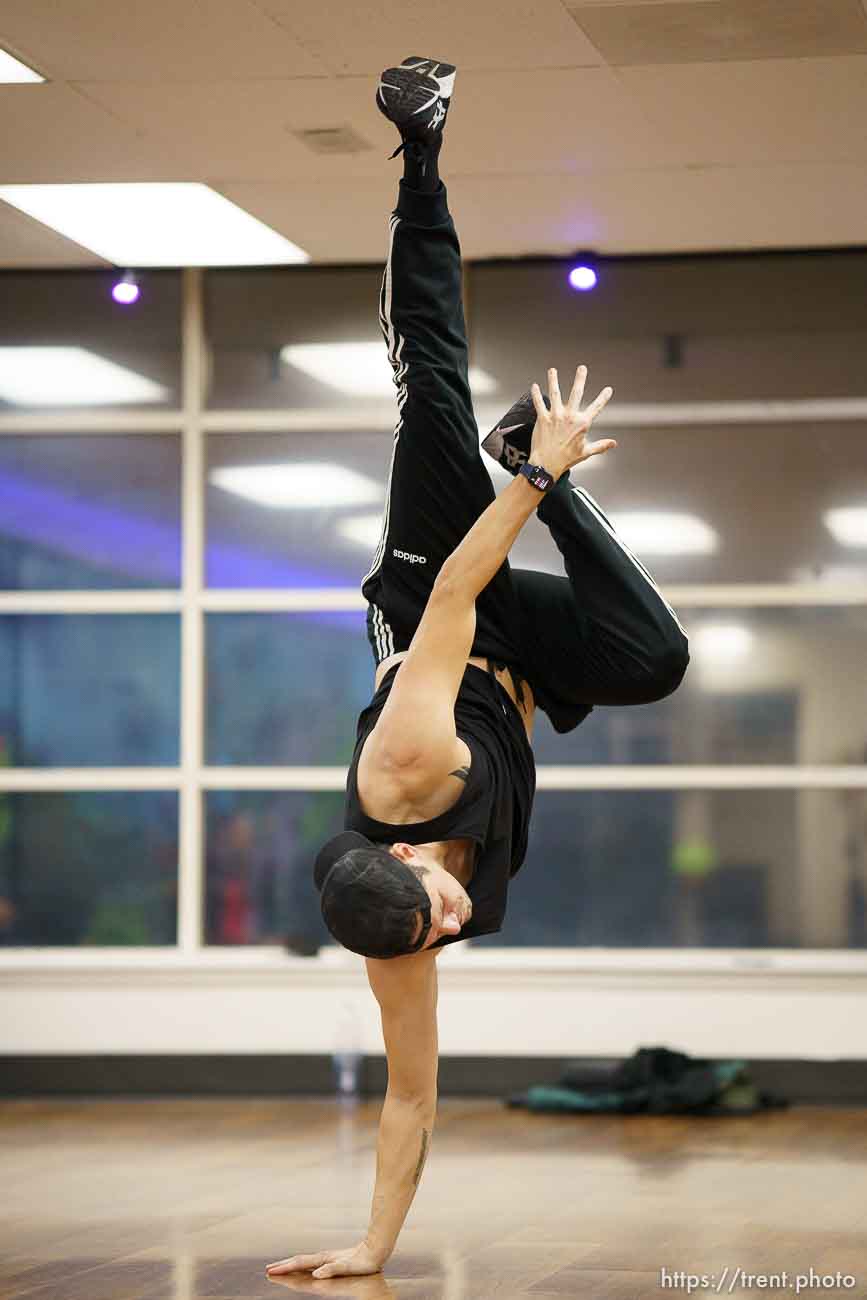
407 555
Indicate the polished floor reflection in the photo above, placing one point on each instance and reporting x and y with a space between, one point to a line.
188 1198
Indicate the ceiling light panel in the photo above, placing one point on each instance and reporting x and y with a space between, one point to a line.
721 642
13 71
364 530
305 485
70 376
359 369
848 525
153 224
661 532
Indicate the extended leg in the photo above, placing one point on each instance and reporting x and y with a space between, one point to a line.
437 485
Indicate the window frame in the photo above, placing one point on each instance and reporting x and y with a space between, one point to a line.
192 778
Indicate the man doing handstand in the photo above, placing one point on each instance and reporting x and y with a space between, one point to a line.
442 778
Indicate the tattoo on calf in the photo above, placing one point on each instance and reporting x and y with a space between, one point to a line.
425 1139
462 773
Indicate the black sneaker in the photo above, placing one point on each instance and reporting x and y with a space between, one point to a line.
509 441
415 99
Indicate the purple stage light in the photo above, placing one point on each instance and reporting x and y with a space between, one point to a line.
583 277
126 291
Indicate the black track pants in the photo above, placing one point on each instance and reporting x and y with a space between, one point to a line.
603 634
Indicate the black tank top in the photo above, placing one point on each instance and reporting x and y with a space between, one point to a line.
493 808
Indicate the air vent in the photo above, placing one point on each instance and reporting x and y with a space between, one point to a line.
333 139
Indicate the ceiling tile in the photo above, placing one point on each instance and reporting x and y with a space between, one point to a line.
349 37
784 111
664 211
631 34
53 133
332 223
652 211
605 4
80 40
565 120
246 130
541 155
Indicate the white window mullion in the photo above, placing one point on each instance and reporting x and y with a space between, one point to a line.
274 778
248 600
90 602
551 776
699 776
90 421
705 596
191 840
251 600
651 416
40 779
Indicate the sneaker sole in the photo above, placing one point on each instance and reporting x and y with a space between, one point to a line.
411 96
443 73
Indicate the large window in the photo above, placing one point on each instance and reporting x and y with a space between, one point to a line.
262 531
182 645
694 868
285 688
89 868
65 345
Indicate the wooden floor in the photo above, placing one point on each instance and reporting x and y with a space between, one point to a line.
174 1199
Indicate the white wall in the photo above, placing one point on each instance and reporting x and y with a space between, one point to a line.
537 1003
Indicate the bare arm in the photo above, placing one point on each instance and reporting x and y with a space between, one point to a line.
414 739
406 989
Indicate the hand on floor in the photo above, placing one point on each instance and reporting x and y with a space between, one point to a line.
351 1262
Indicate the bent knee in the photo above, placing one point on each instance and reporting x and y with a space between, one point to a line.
667 666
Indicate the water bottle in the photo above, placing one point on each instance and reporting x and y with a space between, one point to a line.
347 1056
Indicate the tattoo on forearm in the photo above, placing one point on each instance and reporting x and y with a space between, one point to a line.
462 773
377 1209
425 1139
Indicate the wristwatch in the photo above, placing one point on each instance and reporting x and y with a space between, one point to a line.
539 477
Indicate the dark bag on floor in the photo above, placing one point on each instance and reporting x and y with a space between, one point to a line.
654 1081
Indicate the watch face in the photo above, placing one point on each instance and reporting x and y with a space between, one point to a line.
539 477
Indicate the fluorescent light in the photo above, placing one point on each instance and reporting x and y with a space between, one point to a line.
70 377
155 224
848 524
304 485
366 530
480 381
721 642
660 532
13 70
360 369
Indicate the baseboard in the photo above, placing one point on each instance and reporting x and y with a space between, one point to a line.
839 1082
